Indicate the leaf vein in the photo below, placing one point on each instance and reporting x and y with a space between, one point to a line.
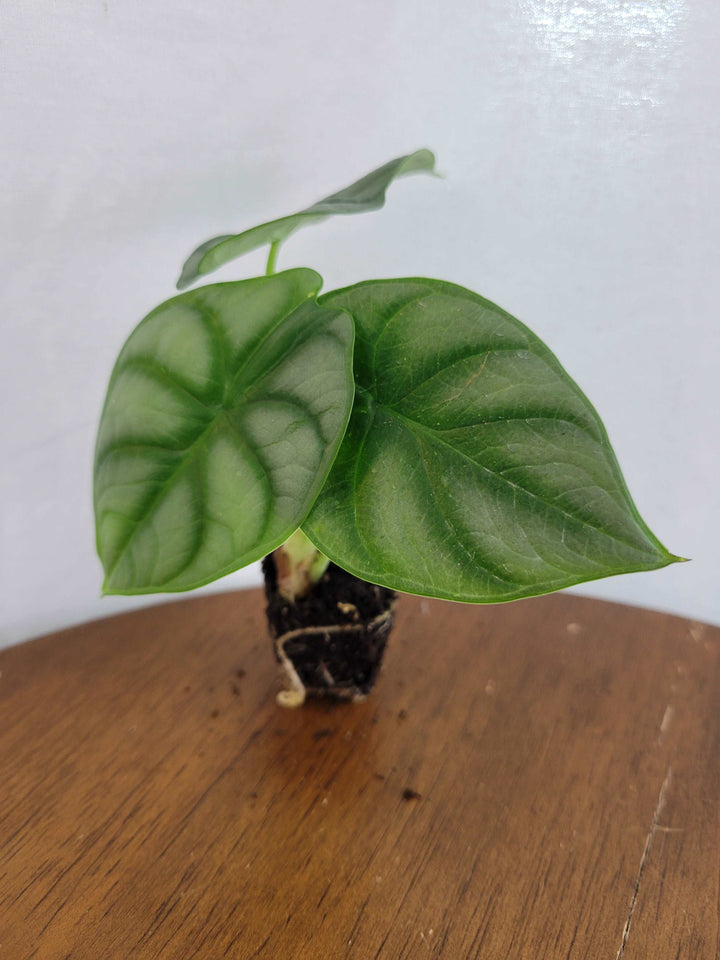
516 487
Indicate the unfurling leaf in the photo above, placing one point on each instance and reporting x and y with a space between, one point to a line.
364 195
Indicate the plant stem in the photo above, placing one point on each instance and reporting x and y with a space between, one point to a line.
272 257
299 566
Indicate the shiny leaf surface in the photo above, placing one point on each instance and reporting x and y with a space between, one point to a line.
223 414
473 467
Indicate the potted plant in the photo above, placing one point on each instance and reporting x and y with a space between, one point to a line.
395 435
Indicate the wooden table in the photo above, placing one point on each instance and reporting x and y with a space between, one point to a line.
537 780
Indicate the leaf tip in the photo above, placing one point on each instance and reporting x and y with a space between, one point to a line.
422 160
107 589
188 275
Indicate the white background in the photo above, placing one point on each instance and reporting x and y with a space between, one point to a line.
579 142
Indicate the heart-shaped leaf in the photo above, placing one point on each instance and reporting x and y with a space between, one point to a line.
223 415
362 196
473 467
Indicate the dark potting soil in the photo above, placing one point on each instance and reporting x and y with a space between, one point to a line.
335 637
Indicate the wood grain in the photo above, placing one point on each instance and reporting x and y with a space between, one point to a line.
535 780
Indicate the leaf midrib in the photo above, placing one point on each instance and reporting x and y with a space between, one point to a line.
416 426
186 457
183 462
230 391
233 399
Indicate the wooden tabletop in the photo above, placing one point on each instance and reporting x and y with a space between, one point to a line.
534 780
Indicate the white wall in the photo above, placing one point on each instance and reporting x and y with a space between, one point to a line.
580 146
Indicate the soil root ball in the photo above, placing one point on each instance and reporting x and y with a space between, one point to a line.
331 642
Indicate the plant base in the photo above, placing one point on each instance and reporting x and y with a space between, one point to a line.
329 643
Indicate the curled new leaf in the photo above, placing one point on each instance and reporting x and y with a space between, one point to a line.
364 195
223 415
473 467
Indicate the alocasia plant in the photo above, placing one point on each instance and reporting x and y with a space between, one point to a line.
409 430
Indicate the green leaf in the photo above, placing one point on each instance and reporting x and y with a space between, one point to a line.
224 412
362 196
473 467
